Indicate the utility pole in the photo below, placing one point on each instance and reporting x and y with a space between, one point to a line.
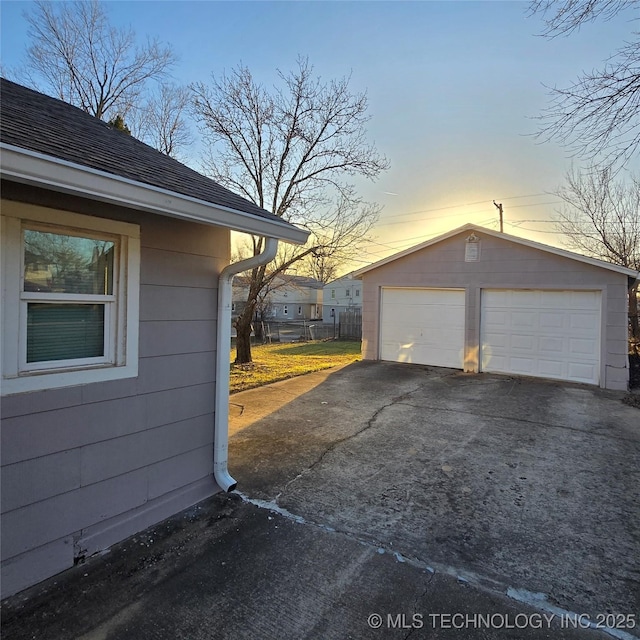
499 208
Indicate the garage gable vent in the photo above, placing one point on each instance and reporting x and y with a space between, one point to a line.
472 248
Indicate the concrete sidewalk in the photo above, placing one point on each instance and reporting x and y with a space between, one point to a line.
248 407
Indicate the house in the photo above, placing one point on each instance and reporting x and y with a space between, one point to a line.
343 294
478 300
116 314
288 297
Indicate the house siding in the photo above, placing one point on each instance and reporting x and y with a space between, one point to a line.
502 265
341 301
293 295
84 467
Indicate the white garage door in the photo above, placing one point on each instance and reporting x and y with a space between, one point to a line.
549 334
423 326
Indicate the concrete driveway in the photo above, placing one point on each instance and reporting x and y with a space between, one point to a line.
527 487
385 501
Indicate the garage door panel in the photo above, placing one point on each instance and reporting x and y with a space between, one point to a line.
587 300
522 319
496 318
553 299
551 368
550 346
522 299
582 372
557 337
496 341
523 343
422 326
524 366
582 347
584 322
552 320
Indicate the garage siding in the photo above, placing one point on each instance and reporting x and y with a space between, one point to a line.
503 264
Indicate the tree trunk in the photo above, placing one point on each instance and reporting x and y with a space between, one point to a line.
243 329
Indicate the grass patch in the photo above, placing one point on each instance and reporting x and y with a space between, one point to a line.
273 362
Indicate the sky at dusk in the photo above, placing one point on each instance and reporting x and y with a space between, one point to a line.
453 88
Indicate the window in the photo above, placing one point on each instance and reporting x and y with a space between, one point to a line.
348 292
357 293
71 311
285 310
67 297
299 310
333 293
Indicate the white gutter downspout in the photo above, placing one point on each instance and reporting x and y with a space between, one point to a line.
221 421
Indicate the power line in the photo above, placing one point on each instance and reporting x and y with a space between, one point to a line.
548 231
458 215
408 242
465 204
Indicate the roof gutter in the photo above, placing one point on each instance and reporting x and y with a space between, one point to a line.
221 421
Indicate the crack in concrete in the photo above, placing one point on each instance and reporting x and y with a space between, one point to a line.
396 400
523 420
417 600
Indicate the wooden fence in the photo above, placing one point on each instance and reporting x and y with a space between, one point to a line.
350 324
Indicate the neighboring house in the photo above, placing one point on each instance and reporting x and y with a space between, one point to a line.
288 297
115 333
479 300
343 294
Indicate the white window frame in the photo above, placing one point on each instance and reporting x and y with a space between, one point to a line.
107 301
121 308
357 293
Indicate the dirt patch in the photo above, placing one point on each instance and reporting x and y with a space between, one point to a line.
632 399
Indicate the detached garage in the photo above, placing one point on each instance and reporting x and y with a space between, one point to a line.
479 300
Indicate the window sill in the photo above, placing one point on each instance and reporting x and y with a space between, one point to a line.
42 381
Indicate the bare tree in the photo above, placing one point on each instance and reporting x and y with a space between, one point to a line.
562 17
600 218
85 61
598 116
322 267
162 120
291 150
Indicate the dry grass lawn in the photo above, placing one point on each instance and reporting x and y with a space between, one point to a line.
273 362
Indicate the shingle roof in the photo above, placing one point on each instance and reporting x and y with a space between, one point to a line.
36 122
304 281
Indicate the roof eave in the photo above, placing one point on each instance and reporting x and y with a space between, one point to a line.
30 167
